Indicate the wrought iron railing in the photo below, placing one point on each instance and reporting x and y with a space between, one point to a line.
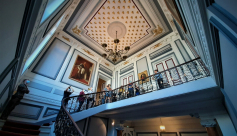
64 124
183 73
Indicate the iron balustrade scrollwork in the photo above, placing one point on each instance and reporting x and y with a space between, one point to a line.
64 124
180 74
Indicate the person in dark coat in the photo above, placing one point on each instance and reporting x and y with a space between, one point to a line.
16 98
67 93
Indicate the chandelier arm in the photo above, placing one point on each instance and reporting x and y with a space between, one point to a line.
107 50
123 51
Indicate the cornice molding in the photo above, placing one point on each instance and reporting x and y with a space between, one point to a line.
201 32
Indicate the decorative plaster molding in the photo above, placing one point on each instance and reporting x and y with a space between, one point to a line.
88 52
201 32
126 62
41 99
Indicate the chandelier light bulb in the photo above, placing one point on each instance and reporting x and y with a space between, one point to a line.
162 127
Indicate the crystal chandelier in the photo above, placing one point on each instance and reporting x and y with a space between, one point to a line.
116 54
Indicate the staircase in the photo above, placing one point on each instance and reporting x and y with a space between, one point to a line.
181 76
10 128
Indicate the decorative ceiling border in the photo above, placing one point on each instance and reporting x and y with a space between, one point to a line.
80 6
100 9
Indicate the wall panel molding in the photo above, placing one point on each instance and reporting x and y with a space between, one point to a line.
116 79
105 70
182 50
40 86
27 106
56 52
160 51
126 75
126 69
50 111
41 99
162 58
139 66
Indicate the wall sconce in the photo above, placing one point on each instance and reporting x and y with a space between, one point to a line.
112 123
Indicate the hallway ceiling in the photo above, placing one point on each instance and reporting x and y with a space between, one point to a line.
139 23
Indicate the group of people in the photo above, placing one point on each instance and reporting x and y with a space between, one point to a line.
89 100
107 95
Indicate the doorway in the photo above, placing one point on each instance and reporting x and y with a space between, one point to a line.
103 80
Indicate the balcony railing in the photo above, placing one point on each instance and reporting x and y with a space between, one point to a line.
186 72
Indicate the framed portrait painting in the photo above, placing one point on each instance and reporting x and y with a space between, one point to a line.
82 70
172 7
143 77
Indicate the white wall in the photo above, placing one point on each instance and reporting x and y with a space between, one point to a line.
169 39
48 92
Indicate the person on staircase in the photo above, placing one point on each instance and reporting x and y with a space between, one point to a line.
66 94
16 98
81 99
90 102
137 90
159 79
130 89
108 93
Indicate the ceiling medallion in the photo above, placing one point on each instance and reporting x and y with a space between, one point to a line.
115 55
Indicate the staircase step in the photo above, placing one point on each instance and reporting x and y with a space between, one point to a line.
20 130
45 128
44 133
2 122
5 133
22 125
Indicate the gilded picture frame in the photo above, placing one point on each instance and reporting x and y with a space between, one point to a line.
143 75
82 70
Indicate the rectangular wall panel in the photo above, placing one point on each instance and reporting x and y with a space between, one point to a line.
51 62
160 51
142 65
58 92
105 70
116 79
127 68
182 50
40 86
29 111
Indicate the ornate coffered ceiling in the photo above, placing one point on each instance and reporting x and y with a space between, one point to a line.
138 22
